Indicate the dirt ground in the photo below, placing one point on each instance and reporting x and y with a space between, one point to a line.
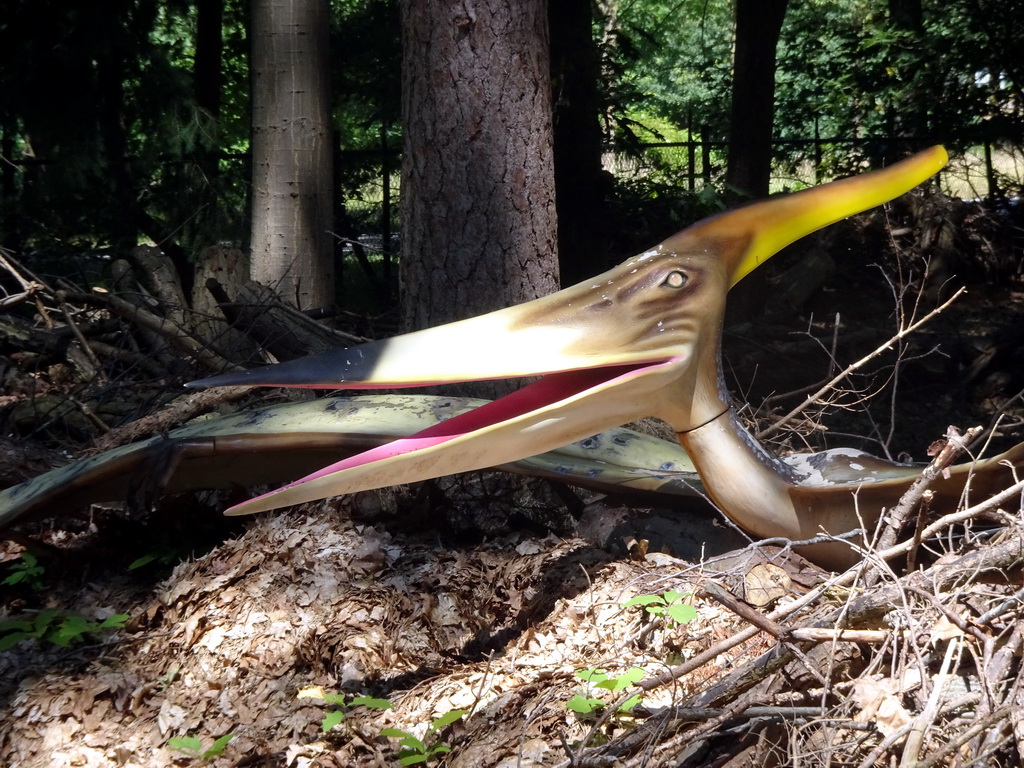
443 599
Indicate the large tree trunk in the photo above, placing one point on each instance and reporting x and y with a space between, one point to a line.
478 213
292 249
758 25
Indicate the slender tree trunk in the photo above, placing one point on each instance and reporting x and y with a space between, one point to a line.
207 72
292 249
758 25
110 77
478 214
580 181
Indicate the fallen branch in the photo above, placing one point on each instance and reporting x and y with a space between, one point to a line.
945 453
178 411
159 325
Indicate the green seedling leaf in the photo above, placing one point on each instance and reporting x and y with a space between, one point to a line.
630 703
593 676
335 698
413 758
405 739
583 705
116 621
71 630
11 639
192 746
626 679
140 562
189 745
163 556
370 701
16 625
332 719
681 613
218 746
644 600
673 596
447 719
26 570
43 621
13 631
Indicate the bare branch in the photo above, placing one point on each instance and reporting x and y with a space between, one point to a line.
853 367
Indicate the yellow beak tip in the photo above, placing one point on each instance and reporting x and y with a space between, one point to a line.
773 224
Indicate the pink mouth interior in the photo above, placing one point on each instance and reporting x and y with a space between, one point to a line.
548 390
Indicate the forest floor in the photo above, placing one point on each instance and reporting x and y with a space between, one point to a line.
490 620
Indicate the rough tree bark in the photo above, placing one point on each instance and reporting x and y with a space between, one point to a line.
478 213
292 249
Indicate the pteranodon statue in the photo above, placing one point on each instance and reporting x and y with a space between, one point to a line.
640 340
643 339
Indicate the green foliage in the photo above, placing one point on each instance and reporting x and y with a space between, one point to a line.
673 60
193 747
584 703
53 626
162 556
25 571
846 69
669 605
646 206
343 702
108 140
414 750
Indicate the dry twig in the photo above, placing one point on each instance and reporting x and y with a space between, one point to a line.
853 367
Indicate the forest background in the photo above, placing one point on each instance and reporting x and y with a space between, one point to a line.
130 122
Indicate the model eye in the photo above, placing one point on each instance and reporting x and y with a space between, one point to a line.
675 279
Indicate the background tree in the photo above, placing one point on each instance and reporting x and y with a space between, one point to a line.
581 184
751 121
478 215
292 202
366 83
119 134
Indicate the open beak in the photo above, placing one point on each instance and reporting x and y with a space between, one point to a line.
608 350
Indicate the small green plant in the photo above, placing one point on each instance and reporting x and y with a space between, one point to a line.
584 703
669 605
414 750
192 746
162 556
25 571
54 626
344 703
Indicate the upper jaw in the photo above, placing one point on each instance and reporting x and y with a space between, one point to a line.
563 332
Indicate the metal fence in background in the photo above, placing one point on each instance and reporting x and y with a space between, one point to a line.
988 171
985 172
